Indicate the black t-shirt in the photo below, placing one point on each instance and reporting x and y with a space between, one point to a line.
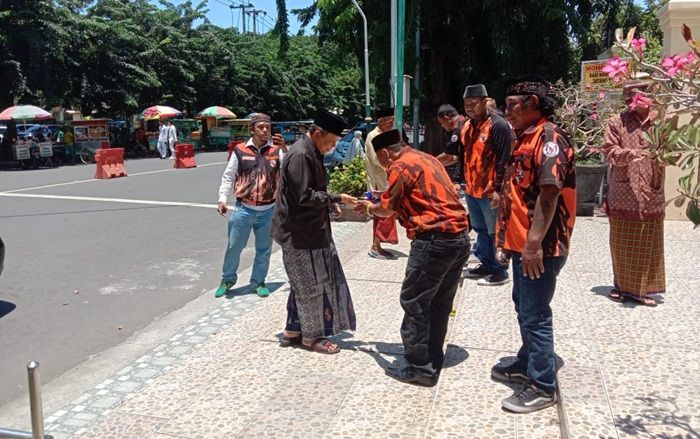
454 147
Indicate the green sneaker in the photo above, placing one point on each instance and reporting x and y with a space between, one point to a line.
262 290
223 288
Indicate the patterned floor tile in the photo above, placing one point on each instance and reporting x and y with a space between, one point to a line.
125 426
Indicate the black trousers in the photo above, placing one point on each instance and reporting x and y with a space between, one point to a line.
433 272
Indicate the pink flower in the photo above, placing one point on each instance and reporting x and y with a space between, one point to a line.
594 116
639 44
616 68
601 95
569 109
677 63
640 101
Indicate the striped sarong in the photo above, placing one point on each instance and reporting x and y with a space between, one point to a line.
637 250
319 303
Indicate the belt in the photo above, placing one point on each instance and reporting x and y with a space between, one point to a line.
440 236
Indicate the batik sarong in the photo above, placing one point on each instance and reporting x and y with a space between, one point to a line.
319 303
637 250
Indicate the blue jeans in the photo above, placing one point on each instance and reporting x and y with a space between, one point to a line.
532 299
483 220
240 222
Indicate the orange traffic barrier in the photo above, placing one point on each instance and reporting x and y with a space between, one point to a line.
110 163
184 156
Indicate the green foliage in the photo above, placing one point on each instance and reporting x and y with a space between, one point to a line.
116 57
483 41
349 179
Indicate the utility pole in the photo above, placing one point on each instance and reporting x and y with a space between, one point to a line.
255 13
243 8
368 108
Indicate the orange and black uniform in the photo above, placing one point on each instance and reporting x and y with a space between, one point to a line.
455 147
542 156
419 190
427 205
487 145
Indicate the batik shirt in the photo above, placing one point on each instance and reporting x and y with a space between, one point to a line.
542 156
422 195
636 179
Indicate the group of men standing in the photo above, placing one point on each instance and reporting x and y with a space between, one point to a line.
520 195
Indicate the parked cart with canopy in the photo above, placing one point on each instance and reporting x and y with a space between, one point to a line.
28 153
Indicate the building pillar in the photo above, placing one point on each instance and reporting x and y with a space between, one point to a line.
672 16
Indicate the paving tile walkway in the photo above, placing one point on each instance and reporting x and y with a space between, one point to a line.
627 371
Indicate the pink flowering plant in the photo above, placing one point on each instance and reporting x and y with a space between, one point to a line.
675 94
582 114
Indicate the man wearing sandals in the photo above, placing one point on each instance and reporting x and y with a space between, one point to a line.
535 221
319 303
253 172
383 229
423 197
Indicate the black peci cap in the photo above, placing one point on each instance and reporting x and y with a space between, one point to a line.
384 112
387 139
330 122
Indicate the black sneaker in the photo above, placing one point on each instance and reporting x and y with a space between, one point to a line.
477 272
529 399
513 373
494 279
410 375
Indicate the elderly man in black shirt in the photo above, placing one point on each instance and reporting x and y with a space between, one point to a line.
319 303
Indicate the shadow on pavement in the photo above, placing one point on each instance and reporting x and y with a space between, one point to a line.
454 354
604 290
6 308
250 289
658 411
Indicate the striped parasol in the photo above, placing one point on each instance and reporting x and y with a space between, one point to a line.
159 112
217 112
24 113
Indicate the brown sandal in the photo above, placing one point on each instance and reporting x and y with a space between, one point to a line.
616 296
322 346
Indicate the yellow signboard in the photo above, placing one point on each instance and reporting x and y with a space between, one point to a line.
594 78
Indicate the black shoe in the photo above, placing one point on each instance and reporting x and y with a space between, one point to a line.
529 399
494 280
408 374
513 373
478 272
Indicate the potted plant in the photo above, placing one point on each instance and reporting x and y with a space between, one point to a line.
583 114
675 93
349 179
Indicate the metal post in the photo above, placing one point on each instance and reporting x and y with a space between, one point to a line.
36 408
368 108
416 83
400 30
392 77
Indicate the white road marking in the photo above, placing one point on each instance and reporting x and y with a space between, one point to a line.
110 200
95 179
